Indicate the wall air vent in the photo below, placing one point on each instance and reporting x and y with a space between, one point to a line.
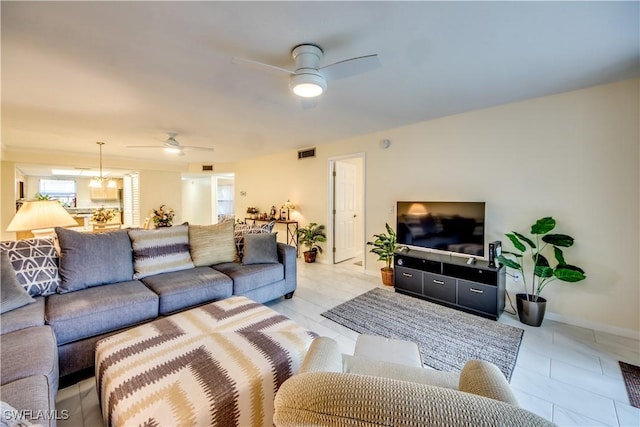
303 154
207 168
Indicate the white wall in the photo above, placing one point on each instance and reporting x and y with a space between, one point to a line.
160 188
573 156
196 200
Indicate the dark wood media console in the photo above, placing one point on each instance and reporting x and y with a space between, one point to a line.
449 280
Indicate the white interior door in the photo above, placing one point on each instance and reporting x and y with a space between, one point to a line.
345 211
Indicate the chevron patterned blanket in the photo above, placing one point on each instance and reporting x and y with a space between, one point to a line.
216 365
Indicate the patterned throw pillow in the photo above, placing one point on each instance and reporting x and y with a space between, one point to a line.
35 262
12 294
241 229
212 244
161 250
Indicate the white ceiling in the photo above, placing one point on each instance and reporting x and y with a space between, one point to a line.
126 73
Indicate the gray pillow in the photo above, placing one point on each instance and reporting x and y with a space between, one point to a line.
93 259
12 294
260 249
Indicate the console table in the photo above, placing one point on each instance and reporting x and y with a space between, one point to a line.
292 230
449 280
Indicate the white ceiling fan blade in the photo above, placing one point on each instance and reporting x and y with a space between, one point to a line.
242 61
350 67
144 146
193 147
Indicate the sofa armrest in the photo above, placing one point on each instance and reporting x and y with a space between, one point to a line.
288 257
485 379
338 399
323 356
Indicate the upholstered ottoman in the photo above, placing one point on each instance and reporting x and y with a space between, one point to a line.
215 365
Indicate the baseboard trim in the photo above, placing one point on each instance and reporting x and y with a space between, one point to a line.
597 326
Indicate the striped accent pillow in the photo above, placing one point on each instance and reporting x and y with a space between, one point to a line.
160 251
212 244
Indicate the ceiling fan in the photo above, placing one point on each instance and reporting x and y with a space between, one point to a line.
172 146
309 80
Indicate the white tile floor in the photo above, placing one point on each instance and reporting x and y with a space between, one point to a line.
564 373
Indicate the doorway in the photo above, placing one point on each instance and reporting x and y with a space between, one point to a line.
346 176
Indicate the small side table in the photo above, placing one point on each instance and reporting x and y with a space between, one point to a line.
292 230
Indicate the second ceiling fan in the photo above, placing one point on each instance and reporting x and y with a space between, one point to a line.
171 145
309 80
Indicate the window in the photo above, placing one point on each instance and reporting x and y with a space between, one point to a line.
131 202
63 190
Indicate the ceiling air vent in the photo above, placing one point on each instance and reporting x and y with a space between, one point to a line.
303 154
207 168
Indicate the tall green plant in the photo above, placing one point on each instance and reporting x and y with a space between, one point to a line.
311 235
543 272
384 246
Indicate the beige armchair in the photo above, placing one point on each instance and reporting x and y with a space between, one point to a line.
338 390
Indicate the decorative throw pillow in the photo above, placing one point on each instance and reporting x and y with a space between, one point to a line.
35 262
241 229
12 294
212 244
88 259
161 250
260 249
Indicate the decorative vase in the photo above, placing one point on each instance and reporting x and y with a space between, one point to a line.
387 276
163 224
530 312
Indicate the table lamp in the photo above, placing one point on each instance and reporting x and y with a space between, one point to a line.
288 206
40 217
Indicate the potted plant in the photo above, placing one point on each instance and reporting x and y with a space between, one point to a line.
163 217
310 236
531 306
102 215
385 246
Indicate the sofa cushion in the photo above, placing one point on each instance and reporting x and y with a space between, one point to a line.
182 289
35 262
12 294
161 250
240 230
212 244
38 346
249 277
32 396
23 317
260 249
93 311
88 259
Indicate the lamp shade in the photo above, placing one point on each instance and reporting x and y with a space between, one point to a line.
39 214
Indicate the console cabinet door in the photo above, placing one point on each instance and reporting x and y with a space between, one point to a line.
408 279
440 287
477 296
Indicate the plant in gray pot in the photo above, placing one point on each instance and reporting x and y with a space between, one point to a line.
531 254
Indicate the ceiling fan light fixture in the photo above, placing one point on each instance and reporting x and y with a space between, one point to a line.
172 150
308 85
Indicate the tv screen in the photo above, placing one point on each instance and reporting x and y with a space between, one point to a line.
456 227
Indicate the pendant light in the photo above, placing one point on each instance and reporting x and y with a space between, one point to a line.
99 182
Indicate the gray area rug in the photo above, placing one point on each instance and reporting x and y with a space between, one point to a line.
446 338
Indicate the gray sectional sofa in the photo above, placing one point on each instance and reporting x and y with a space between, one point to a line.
113 281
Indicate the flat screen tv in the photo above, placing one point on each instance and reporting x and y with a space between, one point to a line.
453 227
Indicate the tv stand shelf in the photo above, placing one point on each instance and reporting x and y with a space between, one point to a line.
448 280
